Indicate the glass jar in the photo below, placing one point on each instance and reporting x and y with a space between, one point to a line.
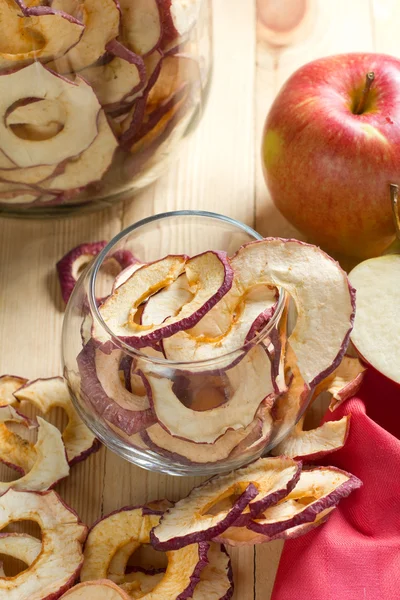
95 98
108 379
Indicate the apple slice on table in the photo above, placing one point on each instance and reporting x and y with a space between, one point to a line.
376 334
23 26
46 394
80 104
210 273
8 385
101 19
215 505
57 566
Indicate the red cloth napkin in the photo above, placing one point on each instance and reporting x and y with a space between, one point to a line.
356 554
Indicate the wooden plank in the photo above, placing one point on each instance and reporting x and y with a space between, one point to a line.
323 29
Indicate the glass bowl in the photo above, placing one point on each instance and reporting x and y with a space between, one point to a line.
96 99
103 377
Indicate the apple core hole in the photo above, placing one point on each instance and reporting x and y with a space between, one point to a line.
24 526
11 566
145 557
36 119
202 392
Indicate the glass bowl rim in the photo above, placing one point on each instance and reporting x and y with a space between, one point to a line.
95 268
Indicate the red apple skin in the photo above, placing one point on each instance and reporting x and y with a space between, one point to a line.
328 169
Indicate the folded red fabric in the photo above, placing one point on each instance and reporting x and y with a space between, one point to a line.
356 554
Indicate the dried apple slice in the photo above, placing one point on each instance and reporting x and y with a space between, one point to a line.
8 385
314 443
38 33
81 125
125 274
70 266
51 464
345 381
133 526
141 25
15 451
210 275
20 546
102 21
167 302
376 331
101 385
206 426
120 77
216 579
57 566
96 590
178 17
46 394
321 291
90 166
139 584
251 314
213 506
318 489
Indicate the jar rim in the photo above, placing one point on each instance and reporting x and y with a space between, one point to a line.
135 353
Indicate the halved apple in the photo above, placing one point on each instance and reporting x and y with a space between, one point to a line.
35 33
46 394
215 505
80 104
57 566
248 384
101 19
210 275
50 466
376 331
318 489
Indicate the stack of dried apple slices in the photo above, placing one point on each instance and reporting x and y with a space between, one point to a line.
97 100
45 463
218 329
269 499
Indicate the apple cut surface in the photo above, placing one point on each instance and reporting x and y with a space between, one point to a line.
250 315
324 299
314 443
122 76
201 517
167 302
210 275
46 394
21 546
50 466
57 566
318 489
15 451
101 19
376 334
71 265
96 590
8 385
102 386
141 25
80 104
249 384
90 166
34 34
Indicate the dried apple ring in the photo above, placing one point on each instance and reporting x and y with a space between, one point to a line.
96 590
21 546
15 451
133 526
39 33
46 394
261 484
317 489
209 275
58 564
8 385
50 466
81 107
141 25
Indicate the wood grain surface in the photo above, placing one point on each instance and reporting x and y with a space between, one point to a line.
218 169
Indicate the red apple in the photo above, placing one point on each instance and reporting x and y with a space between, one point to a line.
331 147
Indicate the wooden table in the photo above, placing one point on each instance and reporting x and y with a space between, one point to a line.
219 170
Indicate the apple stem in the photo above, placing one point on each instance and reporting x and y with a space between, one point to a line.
365 93
394 197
